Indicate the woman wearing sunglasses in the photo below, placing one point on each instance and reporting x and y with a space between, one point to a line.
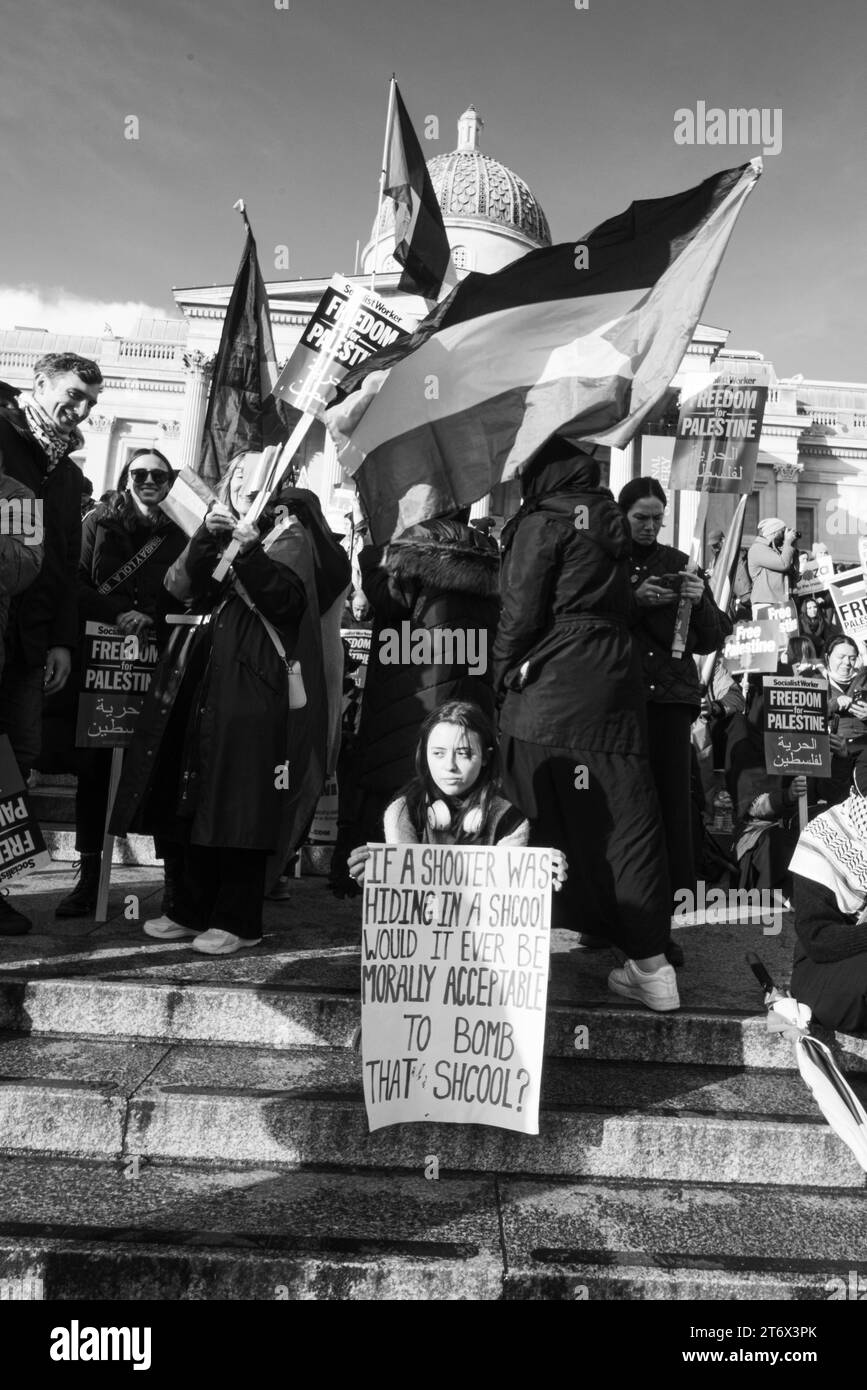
127 546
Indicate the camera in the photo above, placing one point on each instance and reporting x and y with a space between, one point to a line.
671 581
798 535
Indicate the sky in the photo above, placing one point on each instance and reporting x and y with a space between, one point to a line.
286 107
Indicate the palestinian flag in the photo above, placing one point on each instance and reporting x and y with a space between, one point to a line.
579 339
243 416
420 242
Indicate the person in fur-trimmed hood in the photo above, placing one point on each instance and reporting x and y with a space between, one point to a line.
434 594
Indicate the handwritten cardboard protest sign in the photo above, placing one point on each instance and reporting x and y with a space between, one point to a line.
454 981
22 847
752 647
116 674
795 726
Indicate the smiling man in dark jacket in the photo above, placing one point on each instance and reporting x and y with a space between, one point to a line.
36 439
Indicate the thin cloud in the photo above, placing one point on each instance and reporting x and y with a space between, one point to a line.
59 311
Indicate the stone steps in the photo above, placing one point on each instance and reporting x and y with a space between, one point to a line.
178 1127
91 998
91 1230
74 1096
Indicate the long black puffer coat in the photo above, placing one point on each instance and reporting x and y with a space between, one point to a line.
438 575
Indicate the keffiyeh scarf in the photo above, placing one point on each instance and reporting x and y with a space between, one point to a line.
832 850
52 441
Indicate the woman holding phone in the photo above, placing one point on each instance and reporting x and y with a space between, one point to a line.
847 715
661 578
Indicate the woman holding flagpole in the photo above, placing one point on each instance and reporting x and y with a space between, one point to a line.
208 764
572 717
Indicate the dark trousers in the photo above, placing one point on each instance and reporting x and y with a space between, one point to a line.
610 833
835 990
21 712
669 729
222 888
91 805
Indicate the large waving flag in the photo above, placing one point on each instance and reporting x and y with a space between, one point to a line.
420 242
243 416
578 339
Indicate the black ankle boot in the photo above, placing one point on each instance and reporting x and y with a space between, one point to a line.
81 902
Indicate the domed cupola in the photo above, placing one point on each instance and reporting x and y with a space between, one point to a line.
490 214
471 184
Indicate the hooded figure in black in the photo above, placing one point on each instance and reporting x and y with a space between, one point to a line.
435 605
572 718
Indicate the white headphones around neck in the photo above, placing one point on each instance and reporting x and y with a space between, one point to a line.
439 817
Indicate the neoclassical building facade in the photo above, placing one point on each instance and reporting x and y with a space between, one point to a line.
812 468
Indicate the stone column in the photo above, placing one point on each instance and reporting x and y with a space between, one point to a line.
169 439
787 475
689 501
97 433
621 470
198 368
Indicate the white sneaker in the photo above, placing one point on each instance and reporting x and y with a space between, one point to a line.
655 988
164 929
214 942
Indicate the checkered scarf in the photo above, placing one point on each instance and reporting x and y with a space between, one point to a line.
832 850
54 442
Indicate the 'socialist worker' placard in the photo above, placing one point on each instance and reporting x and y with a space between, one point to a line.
347 326
454 980
117 671
796 726
718 432
22 847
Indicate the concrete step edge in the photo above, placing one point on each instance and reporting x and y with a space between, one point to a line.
285 1130
286 1016
52 1269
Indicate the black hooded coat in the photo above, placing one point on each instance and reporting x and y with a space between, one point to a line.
573 702
439 574
564 660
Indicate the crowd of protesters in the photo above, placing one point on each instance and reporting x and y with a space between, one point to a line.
567 717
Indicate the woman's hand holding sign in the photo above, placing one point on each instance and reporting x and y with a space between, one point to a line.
560 867
355 863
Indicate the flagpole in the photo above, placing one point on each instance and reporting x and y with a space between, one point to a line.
279 468
388 124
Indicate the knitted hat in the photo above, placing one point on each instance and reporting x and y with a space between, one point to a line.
770 526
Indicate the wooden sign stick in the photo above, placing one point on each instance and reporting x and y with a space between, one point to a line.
108 840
